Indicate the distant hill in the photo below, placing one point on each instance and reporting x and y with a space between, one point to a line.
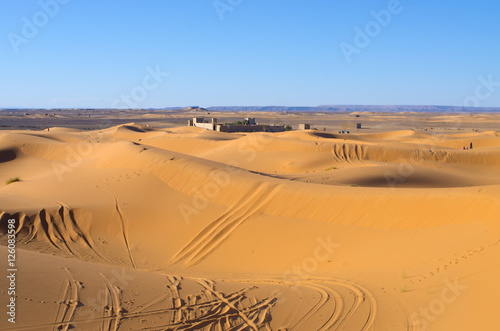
359 108
322 108
195 108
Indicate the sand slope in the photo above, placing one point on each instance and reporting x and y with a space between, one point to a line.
298 230
97 297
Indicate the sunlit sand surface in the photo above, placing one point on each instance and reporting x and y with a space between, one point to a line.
134 227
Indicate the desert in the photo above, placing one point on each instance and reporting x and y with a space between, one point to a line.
234 165
157 226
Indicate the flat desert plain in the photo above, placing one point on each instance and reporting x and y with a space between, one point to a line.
170 227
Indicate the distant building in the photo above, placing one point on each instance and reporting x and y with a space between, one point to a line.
249 126
304 126
200 122
250 120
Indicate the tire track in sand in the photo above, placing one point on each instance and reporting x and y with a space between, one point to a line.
347 302
112 310
124 225
213 235
67 304
339 305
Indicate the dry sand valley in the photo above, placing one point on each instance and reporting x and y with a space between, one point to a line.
155 225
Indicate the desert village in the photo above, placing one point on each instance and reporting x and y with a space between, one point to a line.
250 125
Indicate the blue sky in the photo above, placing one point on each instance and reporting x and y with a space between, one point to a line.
89 53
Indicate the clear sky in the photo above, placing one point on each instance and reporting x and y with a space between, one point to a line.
90 53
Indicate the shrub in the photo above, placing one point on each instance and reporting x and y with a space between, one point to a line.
12 180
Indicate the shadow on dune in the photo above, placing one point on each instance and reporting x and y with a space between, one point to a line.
7 155
132 128
418 177
413 181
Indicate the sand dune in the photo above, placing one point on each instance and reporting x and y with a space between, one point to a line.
99 297
300 230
